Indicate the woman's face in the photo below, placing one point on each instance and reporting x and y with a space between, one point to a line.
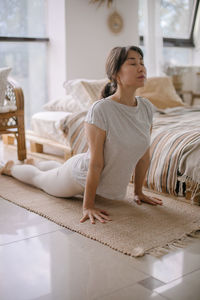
133 72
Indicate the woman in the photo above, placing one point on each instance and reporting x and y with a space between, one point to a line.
118 131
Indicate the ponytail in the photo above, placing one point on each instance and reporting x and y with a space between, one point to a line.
109 89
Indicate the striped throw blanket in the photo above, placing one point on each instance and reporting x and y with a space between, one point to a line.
175 142
175 148
72 127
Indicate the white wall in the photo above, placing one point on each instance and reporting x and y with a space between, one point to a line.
80 39
89 40
56 18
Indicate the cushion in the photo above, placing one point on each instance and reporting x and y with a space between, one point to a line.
65 103
73 129
94 88
161 92
85 90
3 83
80 94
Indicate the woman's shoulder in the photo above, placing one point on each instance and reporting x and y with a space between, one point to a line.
147 106
100 105
96 115
143 100
146 102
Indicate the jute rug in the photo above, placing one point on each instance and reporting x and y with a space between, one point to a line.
134 230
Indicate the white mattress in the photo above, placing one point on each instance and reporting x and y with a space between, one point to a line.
46 124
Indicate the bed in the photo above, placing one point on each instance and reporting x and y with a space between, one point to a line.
175 141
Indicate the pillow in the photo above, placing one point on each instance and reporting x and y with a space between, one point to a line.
85 90
73 129
81 93
8 108
65 103
3 83
161 92
94 88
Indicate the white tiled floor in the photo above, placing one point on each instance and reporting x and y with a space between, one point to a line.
183 288
41 260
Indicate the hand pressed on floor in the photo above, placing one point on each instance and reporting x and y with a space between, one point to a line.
95 213
147 199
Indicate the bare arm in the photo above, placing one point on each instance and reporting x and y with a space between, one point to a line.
140 172
96 138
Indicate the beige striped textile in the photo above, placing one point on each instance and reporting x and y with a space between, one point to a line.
173 130
73 128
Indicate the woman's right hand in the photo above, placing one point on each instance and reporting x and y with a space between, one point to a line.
95 213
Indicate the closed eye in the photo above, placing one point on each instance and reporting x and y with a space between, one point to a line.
136 64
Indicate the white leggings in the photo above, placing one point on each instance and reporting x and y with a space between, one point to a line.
52 177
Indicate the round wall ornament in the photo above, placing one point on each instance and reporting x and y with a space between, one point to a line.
115 22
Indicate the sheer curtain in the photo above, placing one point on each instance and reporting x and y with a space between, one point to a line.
153 40
197 31
196 56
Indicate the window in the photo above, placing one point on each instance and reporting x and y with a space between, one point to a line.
177 21
177 56
23 46
176 18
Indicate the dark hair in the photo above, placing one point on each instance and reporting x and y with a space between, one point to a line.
115 60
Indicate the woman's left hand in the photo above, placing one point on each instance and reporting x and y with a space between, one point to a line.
147 199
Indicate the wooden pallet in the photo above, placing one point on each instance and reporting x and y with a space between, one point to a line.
37 144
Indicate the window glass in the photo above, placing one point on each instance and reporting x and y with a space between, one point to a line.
28 62
176 17
174 56
23 18
177 56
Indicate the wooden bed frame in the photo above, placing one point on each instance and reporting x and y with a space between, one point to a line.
38 143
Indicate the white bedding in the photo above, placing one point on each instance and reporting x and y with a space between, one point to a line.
46 124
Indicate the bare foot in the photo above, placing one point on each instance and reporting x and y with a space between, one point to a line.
6 170
29 161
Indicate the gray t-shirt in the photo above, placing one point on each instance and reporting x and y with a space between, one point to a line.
127 138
